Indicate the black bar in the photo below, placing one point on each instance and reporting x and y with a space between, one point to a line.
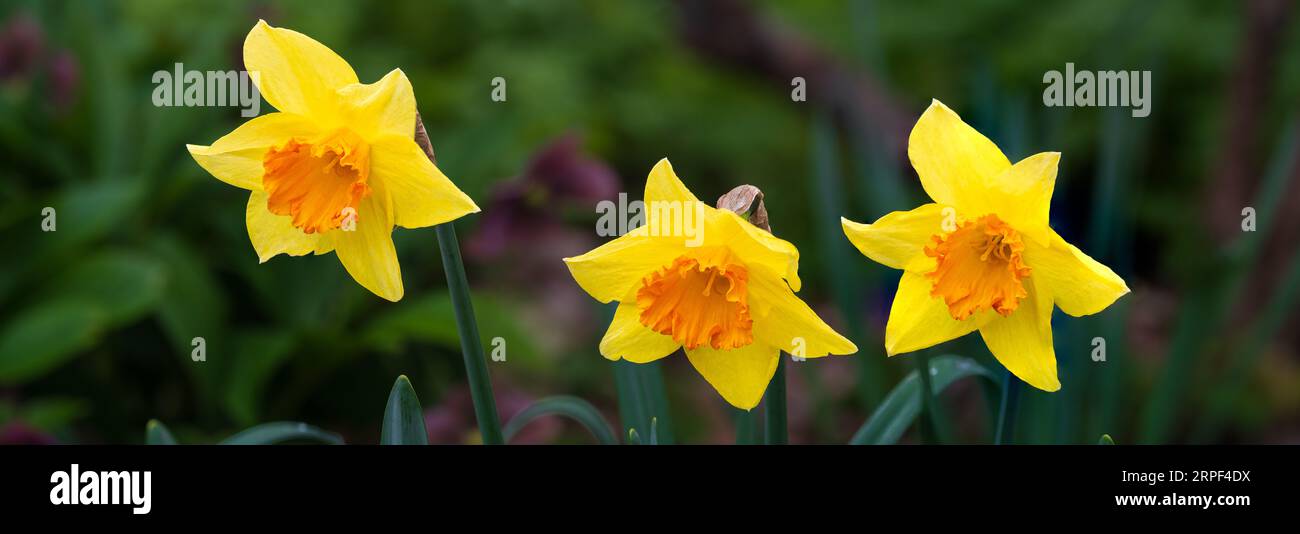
282 481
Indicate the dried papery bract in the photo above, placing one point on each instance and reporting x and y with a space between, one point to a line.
422 138
480 382
747 201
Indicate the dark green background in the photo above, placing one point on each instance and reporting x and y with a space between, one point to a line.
96 318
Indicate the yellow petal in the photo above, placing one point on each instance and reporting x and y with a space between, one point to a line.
421 194
666 196
324 244
752 244
1079 284
955 162
1022 342
664 185
739 375
295 73
367 252
918 321
609 271
630 340
786 322
386 107
273 234
1024 194
898 238
236 158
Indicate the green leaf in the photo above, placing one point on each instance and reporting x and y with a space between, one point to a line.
106 290
90 210
432 319
280 432
427 319
44 337
840 262
1105 440
403 417
633 406
192 304
900 408
155 433
572 407
124 285
255 357
641 396
54 413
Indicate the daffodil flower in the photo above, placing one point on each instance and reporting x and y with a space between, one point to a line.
726 296
336 167
982 256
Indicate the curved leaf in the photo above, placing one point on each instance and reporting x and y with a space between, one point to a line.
403 417
431 318
155 433
901 406
89 211
257 354
280 432
125 285
572 407
46 336
1105 440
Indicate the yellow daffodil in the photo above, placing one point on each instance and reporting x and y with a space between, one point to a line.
982 256
706 280
337 167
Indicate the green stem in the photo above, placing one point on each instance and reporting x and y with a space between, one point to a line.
745 431
927 426
633 407
1007 414
480 384
775 432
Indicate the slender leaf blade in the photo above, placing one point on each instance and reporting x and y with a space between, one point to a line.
567 406
45 337
900 408
155 433
403 417
280 432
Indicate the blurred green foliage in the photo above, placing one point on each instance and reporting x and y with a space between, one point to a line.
98 317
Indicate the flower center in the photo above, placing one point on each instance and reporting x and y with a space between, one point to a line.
317 182
699 299
979 267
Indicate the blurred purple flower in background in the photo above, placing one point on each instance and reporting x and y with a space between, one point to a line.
451 421
20 433
25 57
568 175
64 78
21 42
525 221
530 206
